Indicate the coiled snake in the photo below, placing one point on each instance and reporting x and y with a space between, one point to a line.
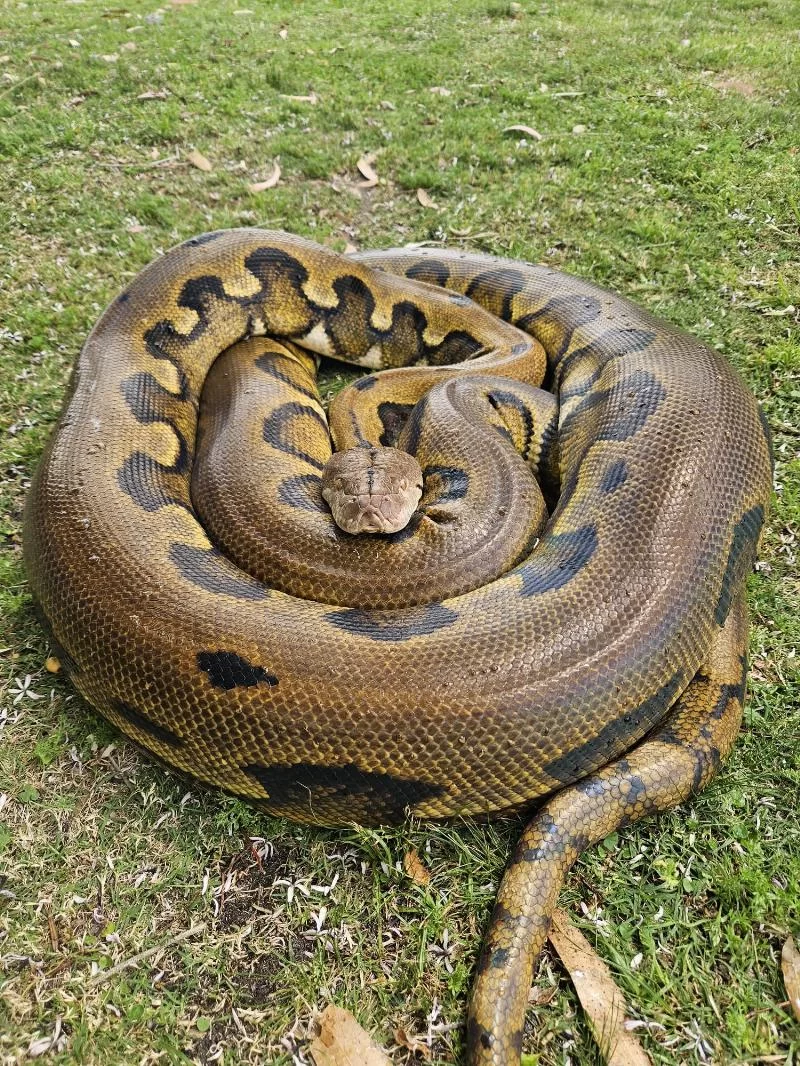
482 657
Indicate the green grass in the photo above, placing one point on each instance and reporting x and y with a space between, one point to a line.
668 170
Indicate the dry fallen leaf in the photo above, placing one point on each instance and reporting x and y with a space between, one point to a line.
312 98
182 3
197 159
424 198
342 1042
349 248
414 1044
790 964
283 34
267 183
439 90
416 868
112 57
599 996
542 996
154 94
367 171
529 131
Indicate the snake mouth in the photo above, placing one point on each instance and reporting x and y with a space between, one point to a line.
378 513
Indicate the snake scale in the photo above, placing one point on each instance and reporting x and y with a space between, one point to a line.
596 648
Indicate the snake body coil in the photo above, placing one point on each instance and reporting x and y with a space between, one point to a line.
623 617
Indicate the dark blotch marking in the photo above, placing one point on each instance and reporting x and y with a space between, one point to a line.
643 395
453 484
613 344
637 790
498 959
199 294
568 313
265 263
593 787
203 238
143 479
269 365
413 427
303 492
616 735
393 625
365 384
457 347
558 559
741 557
628 405
477 1034
433 271
151 484
499 398
228 670
495 290
614 477
277 430
123 297
208 569
393 417
302 783
145 724
727 693
147 398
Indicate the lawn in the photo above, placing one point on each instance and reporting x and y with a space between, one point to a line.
662 160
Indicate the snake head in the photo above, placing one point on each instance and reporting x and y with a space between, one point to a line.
372 490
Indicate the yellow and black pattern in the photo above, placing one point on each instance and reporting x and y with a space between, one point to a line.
619 617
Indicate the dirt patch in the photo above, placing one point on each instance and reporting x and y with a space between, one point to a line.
735 83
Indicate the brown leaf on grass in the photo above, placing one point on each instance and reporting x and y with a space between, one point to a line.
728 84
367 171
529 131
154 94
182 3
599 996
542 996
416 868
414 1044
197 159
267 183
790 964
424 198
312 98
342 1041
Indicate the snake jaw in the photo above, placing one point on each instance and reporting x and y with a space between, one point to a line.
372 490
